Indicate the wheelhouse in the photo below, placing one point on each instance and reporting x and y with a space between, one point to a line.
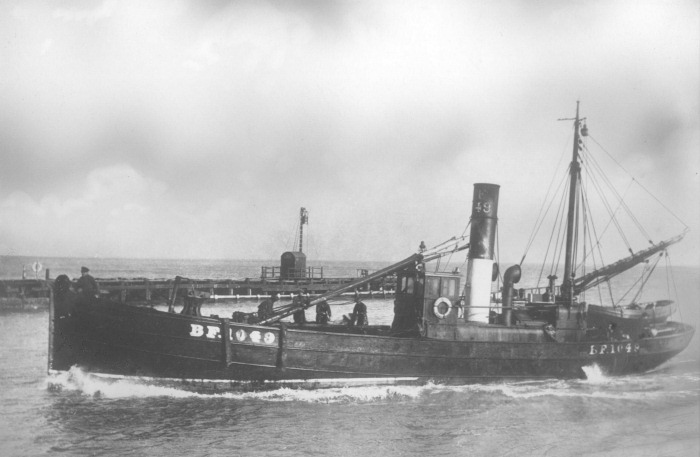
427 303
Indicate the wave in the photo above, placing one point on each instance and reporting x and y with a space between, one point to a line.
77 380
597 386
92 385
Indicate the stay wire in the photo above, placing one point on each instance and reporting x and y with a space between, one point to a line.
616 194
601 194
595 247
540 222
556 227
632 286
540 216
669 268
639 183
605 229
641 287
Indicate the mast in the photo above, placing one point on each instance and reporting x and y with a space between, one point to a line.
574 173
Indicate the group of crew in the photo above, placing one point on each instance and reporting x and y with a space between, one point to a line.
87 287
323 310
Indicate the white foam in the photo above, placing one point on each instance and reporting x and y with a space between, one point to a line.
341 395
596 386
611 388
595 375
98 386
78 380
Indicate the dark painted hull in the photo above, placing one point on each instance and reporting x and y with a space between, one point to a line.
115 339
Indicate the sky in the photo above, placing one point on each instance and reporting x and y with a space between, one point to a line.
197 129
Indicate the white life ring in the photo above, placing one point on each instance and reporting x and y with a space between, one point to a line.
436 307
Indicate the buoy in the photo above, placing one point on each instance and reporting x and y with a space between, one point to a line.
436 307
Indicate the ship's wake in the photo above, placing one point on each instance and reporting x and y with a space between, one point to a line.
77 380
98 386
596 386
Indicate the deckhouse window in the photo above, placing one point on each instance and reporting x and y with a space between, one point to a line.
442 287
407 285
434 287
449 287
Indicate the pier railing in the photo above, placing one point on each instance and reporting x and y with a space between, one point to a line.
275 273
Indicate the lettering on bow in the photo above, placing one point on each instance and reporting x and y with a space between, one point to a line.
613 348
213 332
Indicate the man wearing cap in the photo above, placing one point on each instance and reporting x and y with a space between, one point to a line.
299 316
265 308
323 312
86 284
359 313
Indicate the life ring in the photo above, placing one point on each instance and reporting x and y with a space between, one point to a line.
436 307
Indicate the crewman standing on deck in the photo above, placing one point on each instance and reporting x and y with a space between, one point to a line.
86 284
299 315
359 312
323 312
265 310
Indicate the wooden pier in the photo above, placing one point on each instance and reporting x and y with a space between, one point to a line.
20 293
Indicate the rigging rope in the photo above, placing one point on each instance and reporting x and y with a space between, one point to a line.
595 247
540 216
669 269
557 223
586 231
541 220
595 233
641 287
560 248
640 184
605 229
606 204
634 284
620 200
591 242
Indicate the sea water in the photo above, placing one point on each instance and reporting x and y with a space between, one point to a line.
80 414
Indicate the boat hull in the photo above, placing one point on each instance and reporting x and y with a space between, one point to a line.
115 339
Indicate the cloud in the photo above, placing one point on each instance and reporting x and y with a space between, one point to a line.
115 195
90 15
119 182
211 118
